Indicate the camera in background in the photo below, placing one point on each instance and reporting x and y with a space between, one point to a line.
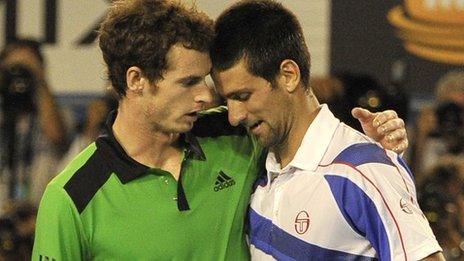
17 87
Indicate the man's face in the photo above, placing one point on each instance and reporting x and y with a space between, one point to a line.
172 103
254 103
26 57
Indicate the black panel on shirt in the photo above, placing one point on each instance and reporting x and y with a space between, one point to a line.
87 181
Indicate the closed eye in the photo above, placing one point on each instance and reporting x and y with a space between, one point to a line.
244 96
190 81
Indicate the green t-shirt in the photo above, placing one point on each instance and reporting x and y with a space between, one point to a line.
106 206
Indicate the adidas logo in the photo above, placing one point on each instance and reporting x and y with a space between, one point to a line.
223 181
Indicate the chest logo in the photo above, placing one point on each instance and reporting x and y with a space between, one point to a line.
223 181
404 205
302 222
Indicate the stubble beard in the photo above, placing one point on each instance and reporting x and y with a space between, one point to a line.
276 140
270 139
171 126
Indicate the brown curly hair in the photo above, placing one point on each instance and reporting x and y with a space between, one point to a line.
141 32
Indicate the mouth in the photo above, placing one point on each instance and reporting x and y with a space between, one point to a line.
193 115
254 128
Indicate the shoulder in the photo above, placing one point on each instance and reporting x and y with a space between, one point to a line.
352 147
75 165
214 123
354 157
368 173
357 154
214 131
368 163
83 176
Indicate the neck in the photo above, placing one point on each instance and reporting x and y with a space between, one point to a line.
306 111
145 145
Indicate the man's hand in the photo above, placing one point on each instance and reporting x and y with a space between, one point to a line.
384 127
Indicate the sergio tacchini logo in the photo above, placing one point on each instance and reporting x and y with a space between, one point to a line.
431 29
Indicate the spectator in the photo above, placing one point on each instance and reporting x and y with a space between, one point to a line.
32 130
442 199
440 126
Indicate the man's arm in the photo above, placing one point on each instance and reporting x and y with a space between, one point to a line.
51 120
384 127
59 233
378 197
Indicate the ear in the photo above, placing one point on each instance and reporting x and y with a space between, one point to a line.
135 80
289 75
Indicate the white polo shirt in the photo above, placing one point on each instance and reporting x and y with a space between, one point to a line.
342 197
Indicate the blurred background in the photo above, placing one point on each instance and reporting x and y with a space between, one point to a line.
406 55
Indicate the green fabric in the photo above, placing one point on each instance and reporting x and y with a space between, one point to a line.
140 220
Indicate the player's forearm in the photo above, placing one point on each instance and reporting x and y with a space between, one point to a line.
51 121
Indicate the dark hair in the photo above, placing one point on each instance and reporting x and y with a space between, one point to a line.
141 32
264 33
19 43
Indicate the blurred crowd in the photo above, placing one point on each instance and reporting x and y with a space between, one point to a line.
37 141
436 152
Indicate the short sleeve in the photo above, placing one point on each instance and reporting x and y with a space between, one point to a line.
59 231
377 197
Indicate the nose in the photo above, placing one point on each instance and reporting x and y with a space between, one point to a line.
204 95
237 112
